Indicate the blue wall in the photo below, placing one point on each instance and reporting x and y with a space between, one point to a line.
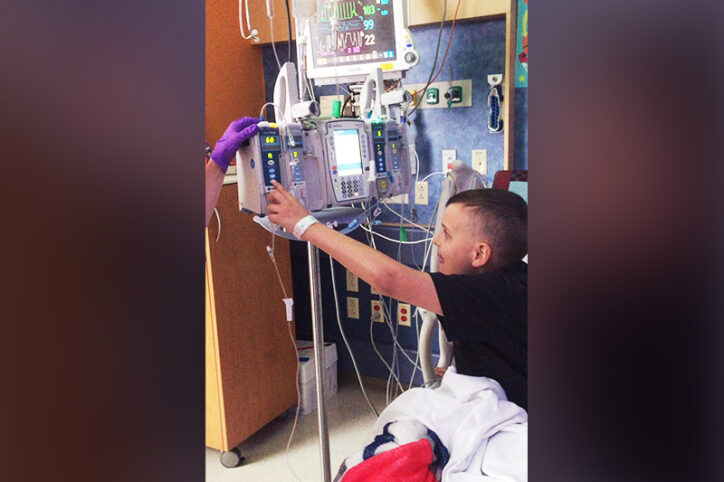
478 49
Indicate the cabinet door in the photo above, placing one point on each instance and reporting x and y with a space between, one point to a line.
256 357
260 22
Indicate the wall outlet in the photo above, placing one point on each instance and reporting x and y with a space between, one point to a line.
403 314
352 282
377 314
421 192
480 161
448 156
352 307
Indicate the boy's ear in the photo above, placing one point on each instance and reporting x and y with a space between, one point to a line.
481 255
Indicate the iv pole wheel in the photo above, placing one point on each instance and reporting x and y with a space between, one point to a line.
232 458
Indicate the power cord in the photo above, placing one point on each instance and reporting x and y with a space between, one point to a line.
344 337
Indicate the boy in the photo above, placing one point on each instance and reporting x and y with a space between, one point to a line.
480 292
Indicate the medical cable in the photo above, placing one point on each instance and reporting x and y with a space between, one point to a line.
385 319
433 174
428 250
394 337
444 59
430 238
346 343
397 325
415 362
270 14
417 352
252 32
289 30
449 42
299 402
427 231
270 251
311 90
371 243
379 355
393 240
280 113
402 216
278 110
434 63
388 321
417 164
274 47
344 106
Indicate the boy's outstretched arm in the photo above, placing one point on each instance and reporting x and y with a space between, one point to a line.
379 270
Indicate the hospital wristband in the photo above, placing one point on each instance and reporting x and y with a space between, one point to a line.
302 225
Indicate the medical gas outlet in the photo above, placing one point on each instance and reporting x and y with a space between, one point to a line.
454 95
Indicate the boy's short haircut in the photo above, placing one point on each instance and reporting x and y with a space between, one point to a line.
503 217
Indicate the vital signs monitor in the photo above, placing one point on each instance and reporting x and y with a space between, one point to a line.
349 39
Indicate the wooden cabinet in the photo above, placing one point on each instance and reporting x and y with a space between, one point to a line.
250 360
250 357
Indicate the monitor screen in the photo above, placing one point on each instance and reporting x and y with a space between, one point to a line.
364 32
347 152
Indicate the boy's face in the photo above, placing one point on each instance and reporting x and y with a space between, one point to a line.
457 240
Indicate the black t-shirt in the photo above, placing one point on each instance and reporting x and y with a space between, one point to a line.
486 318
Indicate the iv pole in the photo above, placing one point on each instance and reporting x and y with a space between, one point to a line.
315 295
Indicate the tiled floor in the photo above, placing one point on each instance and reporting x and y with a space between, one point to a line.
349 421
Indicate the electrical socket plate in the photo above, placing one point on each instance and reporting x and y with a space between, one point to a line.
421 192
403 314
448 156
353 307
376 311
480 161
352 282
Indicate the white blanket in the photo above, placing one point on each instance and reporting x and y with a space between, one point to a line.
487 435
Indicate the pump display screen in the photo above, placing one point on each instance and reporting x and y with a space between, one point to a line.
347 152
269 140
363 31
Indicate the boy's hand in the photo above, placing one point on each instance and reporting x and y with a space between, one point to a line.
284 209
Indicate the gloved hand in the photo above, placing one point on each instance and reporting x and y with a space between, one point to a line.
240 130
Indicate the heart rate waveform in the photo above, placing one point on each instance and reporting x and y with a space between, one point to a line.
344 11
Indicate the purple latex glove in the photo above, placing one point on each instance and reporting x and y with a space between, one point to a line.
240 130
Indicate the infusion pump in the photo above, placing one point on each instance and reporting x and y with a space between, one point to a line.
337 163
